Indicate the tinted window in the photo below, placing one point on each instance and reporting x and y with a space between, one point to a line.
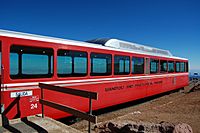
41 67
80 65
137 65
30 62
177 66
101 64
170 66
71 63
163 66
122 65
14 61
64 64
182 67
154 66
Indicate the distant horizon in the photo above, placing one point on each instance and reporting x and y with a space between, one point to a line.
194 70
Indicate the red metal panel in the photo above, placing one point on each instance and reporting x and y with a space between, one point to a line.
25 106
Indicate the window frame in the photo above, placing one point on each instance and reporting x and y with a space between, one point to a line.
31 50
108 58
157 66
186 66
178 71
163 61
182 69
173 66
134 57
124 58
72 54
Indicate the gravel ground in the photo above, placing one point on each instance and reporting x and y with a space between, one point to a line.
174 108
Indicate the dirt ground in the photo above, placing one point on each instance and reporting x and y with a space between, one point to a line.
174 107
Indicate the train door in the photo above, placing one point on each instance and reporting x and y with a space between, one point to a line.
147 71
147 66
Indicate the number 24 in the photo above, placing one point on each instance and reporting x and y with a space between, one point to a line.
34 106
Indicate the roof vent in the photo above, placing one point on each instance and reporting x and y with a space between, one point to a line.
100 41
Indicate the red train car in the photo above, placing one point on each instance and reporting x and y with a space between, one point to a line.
119 71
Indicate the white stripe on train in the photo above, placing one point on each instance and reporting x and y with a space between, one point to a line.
91 80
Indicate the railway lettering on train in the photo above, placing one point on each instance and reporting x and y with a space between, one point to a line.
119 71
114 88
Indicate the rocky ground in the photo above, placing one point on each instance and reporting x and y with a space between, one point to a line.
165 112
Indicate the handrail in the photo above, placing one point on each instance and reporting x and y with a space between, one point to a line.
82 93
70 110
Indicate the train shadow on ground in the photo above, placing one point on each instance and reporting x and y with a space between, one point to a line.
72 119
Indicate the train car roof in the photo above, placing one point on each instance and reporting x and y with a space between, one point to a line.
110 44
115 43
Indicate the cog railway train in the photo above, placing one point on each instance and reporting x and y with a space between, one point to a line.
118 71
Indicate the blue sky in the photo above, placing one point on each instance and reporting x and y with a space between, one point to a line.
166 24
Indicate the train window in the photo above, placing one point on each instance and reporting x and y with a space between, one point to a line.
64 64
14 68
30 62
137 65
71 63
163 66
182 67
31 67
186 67
101 64
170 66
81 69
154 66
122 65
177 66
